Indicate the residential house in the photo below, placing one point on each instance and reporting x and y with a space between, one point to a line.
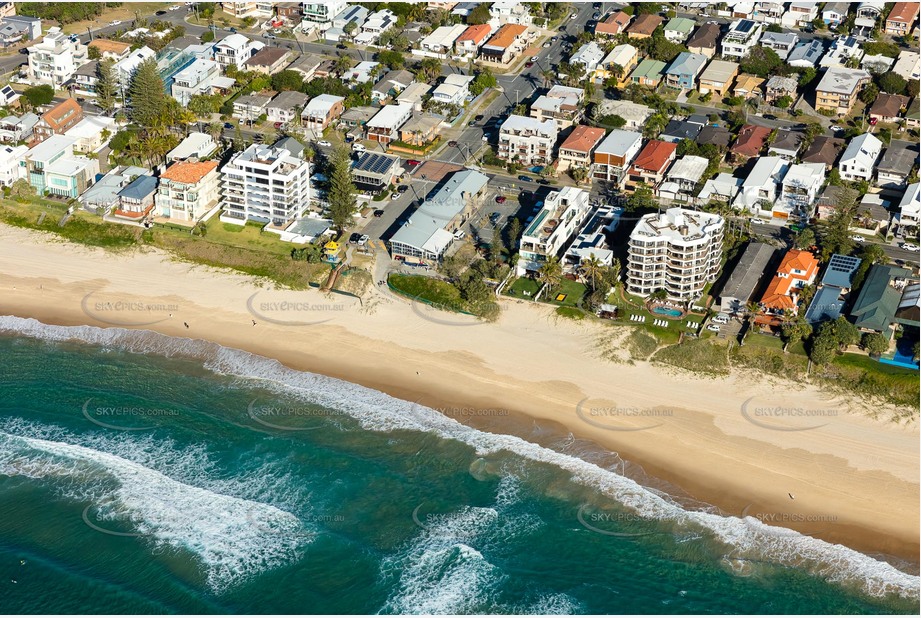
356 118
800 14
420 130
195 146
385 125
18 128
895 167
242 10
678 29
781 42
250 107
678 251
291 12
321 110
391 84
761 187
10 168
188 191
704 40
58 119
17 28
635 114
453 90
350 14
510 12
136 199
683 71
268 60
644 25
828 202
828 302
322 12
373 172
834 13
554 226
873 214
92 133
589 56
561 103
723 189
619 64
86 78
363 72
54 60
769 12
473 38
505 44
306 65
264 184
838 89
877 63
870 10
908 65
425 238
440 42
527 140
888 107
613 25
860 157
824 150
748 86
52 168
286 106
577 150
615 155
235 49
913 115
750 141
797 270
786 144
880 302
110 50
683 178
743 34
677 130
200 77
414 95
377 23
649 167
8 97
799 192
746 278
902 18
717 136
648 73
843 49
717 77
778 87
124 69
909 211
806 54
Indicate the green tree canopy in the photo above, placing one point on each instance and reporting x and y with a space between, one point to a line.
147 96
760 61
341 194
287 80
39 95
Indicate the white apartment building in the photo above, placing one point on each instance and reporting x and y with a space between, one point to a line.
742 36
910 208
242 10
799 192
264 184
677 251
124 69
322 12
188 191
54 60
440 42
860 157
384 127
562 216
527 141
235 49
454 90
760 188
510 12
197 78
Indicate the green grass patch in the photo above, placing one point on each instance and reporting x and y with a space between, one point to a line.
861 375
769 360
695 355
522 287
641 344
764 341
82 227
439 293
573 291
573 313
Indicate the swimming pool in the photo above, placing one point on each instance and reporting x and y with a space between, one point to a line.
672 313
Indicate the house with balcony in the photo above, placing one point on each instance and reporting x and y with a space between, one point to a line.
909 213
474 37
453 90
717 78
781 42
743 34
242 10
58 120
761 187
188 191
797 270
838 89
564 213
235 50
648 73
799 192
200 77
322 12
264 184
421 130
527 141
195 146
268 60
17 128
350 14
11 168
110 50
15 29
888 301
384 127
135 200
510 12
618 64
678 251
835 13
615 155
723 188
52 168
440 42
561 104
613 24
322 110
286 106
391 84
650 165
92 133
769 12
591 242
678 29
683 178
577 150
908 65
860 157
704 40
800 14
748 86
786 144
250 107
683 71
415 95
778 86
902 18
589 56
896 165
834 289
806 54
54 60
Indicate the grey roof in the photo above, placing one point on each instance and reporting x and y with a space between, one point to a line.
719 136
140 187
787 140
681 129
826 305
841 270
748 272
291 145
289 99
807 51
898 159
88 69
687 64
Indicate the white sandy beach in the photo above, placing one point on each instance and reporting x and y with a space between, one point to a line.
857 473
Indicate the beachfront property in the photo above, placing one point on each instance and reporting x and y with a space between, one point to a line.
860 157
561 103
264 184
678 251
742 36
746 278
527 141
829 299
53 168
321 110
615 154
11 169
54 60
888 301
649 167
838 89
761 187
188 191
92 133
576 150
430 230
563 214
135 200
591 241
195 146
797 270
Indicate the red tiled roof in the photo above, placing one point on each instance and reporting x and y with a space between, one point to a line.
798 260
188 172
476 33
63 113
904 12
777 294
654 155
583 139
751 140
507 35
614 24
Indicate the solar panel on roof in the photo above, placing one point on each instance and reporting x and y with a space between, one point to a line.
745 25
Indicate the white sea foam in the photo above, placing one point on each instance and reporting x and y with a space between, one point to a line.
233 538
374 410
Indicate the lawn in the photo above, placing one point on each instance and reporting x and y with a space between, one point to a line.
860 374
82 227
523 287
439 293
764 341
572 291
126 13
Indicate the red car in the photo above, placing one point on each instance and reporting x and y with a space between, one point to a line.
528 64
413 163
277 125
500 199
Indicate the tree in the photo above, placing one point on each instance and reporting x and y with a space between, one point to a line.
343 63
591 270
207 36
823 347
203 105
760 61
835 236
479 15
869 94
550 273
341 194
215 129
393 59
350 27
784 102
429 69
483 80
893 83
287 80
93 53
148 97
804 239
579 174
514 232
106 86
875 344
21 189
39 95
795 330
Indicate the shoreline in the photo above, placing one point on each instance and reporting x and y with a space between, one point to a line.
540 371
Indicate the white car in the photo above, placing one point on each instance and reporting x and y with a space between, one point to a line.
115 23
909 246
324 143
534 58
713 328
858 238
758 221
836 128
547 44
175 7
573 16
356 147
363 240
459 234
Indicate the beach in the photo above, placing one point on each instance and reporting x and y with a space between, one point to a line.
750 445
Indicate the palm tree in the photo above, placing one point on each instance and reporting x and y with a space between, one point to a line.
751 312
550 273
590 269
343 64
215 129
548 77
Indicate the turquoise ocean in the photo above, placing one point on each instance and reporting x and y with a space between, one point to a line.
146 474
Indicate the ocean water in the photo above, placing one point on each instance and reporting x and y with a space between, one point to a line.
142 474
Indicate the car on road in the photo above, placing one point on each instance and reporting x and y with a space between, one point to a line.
341 46
355 236
500 199
479 117
596 15
758 221
523 178
534 58
713 328
909 246
402 188
271 36
452 143
413 162
770 117
324 143
175 7
573 16
858 238
363 240
495 216
554 39
543 181
528 64
115 23
228 125
379 213
277 125
547 44
160 13
232 30
835 128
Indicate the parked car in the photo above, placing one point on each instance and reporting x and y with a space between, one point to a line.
341 46
459 234
413 162
758 221
479 117
271 36
573 16
358 147
858 238
500 199
160 13
277 125
324 143
402 188
525 178
714 328
494 217
232 30
378 213
596 15
543 181
485 138
873 121
363 240
452 143
909 246
835 128
354 238
720 318
547 44
115 23
534 58
228 125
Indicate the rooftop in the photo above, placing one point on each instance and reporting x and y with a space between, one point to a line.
748 272
583 139
618 142
719 71
645 23
267 56
654 155
188 172
842 81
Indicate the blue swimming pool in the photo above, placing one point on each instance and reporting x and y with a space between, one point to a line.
672 313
